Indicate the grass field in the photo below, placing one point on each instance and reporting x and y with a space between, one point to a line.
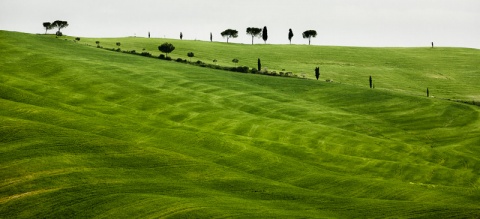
91 133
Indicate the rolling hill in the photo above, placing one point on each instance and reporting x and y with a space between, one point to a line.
87 132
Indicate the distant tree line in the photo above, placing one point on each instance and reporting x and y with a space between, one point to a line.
259 32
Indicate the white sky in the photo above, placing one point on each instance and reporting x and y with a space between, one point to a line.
337 22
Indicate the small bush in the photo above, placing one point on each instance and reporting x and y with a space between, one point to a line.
77 39
161 56
118 50
58 33
254 71
179 60
243 69
199 62
168 58
147 54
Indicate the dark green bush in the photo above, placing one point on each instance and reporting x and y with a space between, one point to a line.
161 56
147 54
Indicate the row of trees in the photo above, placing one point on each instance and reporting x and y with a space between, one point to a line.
257 32
56 24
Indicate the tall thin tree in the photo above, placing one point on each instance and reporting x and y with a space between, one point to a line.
290 35
265 34
259 65
371 82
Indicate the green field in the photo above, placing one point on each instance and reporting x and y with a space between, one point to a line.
92 133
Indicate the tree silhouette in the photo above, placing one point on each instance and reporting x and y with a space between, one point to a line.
428 93
317 72
259 64
229 33
48 26
265 34
181 36
371 82
309 34
290 35
60 25
211 37
235 61
190 54
254 32
166 48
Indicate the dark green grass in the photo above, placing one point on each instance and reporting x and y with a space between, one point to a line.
93 133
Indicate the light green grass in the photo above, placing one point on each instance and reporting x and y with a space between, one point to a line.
87 132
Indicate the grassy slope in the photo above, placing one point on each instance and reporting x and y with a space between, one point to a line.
87 132
450 73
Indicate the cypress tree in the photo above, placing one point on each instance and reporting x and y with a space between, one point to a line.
265 34
371 84
259 65
428 93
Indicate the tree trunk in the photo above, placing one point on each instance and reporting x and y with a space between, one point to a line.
252 40
309 41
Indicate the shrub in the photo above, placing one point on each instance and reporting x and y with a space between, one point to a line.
199 62
243 69
77 39
118 50
179 60
58 33
168 58
254 70
147 54
161 56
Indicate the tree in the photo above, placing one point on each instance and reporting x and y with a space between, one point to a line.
371 82
254 32
309 34
98 43
166 48
317 72
60 25
259 65
428 93
118 44
235 61
229 33
48 26
190 54
181 36
290 35
211 37
265 34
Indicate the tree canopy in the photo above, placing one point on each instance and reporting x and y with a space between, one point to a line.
309 34
229 33
254 32
48 26
166 48
60 25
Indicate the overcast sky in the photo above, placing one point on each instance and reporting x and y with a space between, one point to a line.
396 23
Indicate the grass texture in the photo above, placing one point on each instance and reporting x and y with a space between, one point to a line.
91 133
